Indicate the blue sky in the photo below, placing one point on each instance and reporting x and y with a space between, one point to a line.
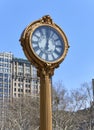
75 17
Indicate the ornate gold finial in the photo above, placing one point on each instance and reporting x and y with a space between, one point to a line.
46 19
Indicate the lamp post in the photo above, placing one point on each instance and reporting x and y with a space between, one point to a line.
45 45
93 89
92 108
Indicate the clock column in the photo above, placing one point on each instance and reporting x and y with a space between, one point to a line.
45 99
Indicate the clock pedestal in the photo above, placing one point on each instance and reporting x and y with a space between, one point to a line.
45 100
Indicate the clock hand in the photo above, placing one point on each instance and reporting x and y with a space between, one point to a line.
47 45
47 39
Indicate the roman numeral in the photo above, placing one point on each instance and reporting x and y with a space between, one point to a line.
40 54
58 46
56 40
41 32
34 42
53 57
36 36
36 48
47 57
57 52
51 34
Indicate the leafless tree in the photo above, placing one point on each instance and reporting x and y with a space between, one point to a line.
71 110
76 109
23 114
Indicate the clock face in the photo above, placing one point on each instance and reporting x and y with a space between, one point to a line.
47 43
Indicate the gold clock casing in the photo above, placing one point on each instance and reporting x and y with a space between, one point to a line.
27 45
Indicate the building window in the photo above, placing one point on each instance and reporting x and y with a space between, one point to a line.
1 89
27 65
6 85
1 84
1 79
14 89
20 69
20 79
26 90
6 90
18 95
1 95
28 80
1 74
5 80
20 90
6 75
34 72
27 70
20 74
29 85
15 94
15 79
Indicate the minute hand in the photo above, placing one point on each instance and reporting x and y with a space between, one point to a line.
47 45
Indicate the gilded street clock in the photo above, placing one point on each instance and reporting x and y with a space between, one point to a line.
44 43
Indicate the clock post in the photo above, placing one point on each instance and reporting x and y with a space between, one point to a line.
45 100
45 45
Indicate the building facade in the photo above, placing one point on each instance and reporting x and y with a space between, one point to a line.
17 77
5 75
5 83
24 78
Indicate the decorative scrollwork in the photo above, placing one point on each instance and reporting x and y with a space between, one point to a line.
46 19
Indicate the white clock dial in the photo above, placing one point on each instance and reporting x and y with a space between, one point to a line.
47 43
